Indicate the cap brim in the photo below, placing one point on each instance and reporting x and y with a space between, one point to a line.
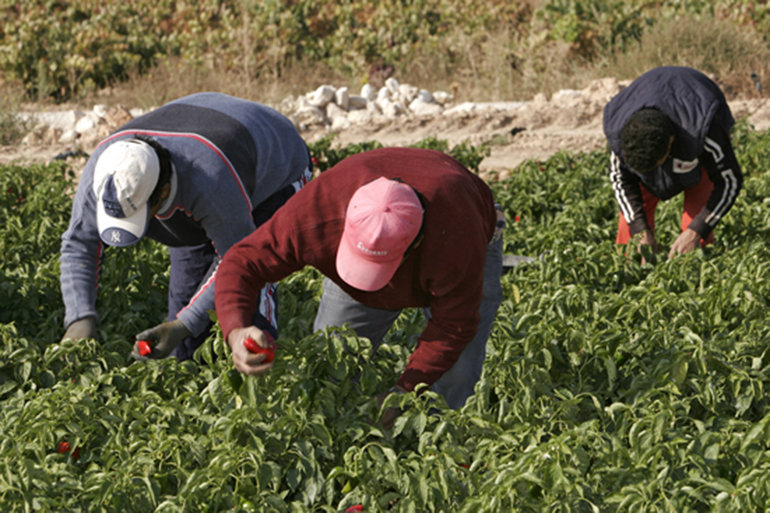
364 274
124 231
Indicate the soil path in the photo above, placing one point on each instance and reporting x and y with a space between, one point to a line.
533 130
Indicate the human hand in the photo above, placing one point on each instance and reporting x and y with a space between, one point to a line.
648 239
81 329
166 337
253 364
687 241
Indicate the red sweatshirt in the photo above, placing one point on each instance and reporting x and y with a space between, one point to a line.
445 272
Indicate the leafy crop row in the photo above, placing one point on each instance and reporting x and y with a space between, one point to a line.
609 385
57 48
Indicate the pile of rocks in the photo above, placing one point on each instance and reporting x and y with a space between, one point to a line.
72 127
337 109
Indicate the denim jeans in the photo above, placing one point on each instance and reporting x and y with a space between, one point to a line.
457 384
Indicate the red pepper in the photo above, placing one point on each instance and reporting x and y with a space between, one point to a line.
255 348
144 347
76 453
516 218
63 447
354 509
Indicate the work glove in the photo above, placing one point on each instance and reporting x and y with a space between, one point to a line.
81 329
162 339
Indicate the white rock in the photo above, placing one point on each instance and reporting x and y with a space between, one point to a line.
360 117
540 99
101 110
468 108
382 94
35 136
137 112
333 110
425 96
464 109
321 96
311 116
63 120
393 109
301 102
356 102
392 84
342 98
442 97
408 92
340 123
367 91
51 135
68 136
288 104
421 108
566 97
86 123
373 107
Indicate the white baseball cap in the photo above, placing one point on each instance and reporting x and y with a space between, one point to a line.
125 175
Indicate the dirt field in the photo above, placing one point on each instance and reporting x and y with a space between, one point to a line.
533 130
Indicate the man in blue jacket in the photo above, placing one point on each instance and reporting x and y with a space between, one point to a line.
669 132
198 175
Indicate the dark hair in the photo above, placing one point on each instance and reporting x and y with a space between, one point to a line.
164 157
645 138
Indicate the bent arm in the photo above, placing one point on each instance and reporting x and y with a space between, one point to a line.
724 172
81 256
625 186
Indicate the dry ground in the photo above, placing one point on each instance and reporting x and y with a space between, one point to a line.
548 126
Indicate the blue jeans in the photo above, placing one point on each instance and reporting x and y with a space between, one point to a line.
457 384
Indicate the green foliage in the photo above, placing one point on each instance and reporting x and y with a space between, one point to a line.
609 385
64 48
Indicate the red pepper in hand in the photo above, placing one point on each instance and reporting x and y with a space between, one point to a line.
144 347
255 348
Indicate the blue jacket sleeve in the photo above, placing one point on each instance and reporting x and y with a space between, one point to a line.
81 254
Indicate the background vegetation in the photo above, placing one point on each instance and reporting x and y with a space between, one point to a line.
150 51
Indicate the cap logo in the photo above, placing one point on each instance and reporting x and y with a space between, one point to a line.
368 251
114 236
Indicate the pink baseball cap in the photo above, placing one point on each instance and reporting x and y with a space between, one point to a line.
382 220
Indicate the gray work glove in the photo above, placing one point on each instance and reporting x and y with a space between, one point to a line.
162 339
81 329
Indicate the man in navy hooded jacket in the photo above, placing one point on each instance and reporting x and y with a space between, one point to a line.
669 132
197 175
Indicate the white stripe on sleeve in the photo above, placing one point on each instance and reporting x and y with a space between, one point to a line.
617 186
715 150
728 196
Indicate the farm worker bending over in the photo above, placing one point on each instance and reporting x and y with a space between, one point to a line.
668 132
198 175
390 229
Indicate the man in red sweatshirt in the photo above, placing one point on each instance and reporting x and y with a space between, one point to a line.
390 229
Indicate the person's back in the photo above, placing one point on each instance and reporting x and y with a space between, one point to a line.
443 269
